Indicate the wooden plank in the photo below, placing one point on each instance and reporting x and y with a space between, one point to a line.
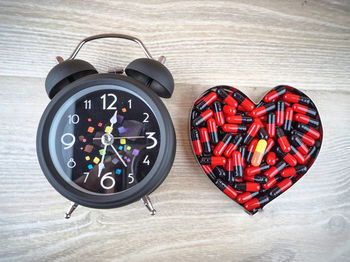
304 43
194 221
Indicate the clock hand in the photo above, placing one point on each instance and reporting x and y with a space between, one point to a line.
100 165
113 120
120 158
120 137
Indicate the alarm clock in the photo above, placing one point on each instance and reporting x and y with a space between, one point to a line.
106 140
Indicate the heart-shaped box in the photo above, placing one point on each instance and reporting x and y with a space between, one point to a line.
255 152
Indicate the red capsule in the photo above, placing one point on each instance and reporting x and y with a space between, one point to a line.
229 170
233 145
288 119
202 117
280 187
271 124
270 144
221 146
286 157
244 101
237 164
309 155
238 119
299 145
274 94
307 120
234 128
282 140
246 186
263 110
307 130
213 131
246 196
196 143
292 171
218 114
229 191
280 113
304 110
204 138
206 101
305 138
256 202
297 155
229 110
293 98
274 170
226 97
252 131
251 171
271 158
212 160
256 178
209 171
251 150
272 181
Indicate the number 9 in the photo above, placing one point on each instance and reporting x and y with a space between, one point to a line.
70 143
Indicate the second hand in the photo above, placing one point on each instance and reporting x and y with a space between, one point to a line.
120 137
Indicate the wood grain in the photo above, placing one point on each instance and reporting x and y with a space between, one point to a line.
253 45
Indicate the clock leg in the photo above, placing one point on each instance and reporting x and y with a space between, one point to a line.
148 204
70 210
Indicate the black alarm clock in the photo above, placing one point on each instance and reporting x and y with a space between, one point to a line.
106 139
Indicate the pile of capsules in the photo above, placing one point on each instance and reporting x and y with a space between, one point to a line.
254 153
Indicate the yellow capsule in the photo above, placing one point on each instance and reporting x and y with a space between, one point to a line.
259 152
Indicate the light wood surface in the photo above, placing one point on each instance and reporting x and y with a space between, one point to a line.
252 45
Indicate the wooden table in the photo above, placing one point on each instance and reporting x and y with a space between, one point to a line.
252 45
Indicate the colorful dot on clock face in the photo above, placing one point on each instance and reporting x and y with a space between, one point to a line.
101 151
118 171
120 148
81 138
115 161
123 109
123 141
90 166
99 124
121 130
91 129
96 160
128 148
107 129
87 158
88 148
135 152
89 120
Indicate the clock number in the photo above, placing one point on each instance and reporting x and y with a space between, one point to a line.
87 175
107 177
73 119
150 136
71 163
111 105
131 178
129 101
87 104
146 117
70 142
146 161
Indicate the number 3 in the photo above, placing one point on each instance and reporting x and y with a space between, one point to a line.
150 136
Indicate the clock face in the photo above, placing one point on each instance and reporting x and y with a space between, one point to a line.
105 141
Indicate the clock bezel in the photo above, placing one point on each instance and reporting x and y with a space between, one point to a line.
149 183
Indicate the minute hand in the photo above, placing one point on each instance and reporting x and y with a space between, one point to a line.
120 158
